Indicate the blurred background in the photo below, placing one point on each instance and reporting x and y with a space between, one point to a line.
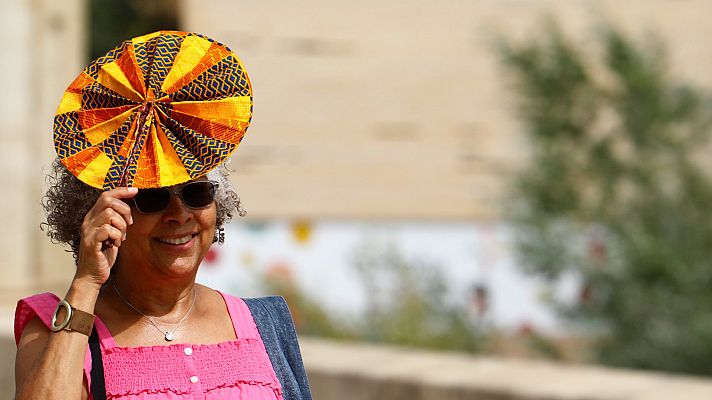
512 180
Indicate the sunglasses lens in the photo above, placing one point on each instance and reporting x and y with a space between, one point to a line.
198 194
152 200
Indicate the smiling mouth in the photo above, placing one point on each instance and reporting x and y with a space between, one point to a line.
181 240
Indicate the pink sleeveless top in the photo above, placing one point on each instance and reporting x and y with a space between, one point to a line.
236 369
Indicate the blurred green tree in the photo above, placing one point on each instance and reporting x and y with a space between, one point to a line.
616 193
113 21
407 303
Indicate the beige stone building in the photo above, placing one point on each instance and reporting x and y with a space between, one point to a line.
363 110
43 51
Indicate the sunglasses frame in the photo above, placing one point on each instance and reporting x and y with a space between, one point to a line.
177 190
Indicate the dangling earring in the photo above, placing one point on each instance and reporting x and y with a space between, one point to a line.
219 237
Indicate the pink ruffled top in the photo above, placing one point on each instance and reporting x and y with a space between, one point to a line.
236 369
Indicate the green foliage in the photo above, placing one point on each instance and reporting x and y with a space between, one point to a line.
309 316
407 303
616 192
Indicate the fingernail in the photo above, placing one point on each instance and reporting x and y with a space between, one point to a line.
133 190
124 238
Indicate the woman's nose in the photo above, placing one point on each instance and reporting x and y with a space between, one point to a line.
177 211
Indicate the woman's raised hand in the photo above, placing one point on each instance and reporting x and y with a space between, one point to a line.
106 220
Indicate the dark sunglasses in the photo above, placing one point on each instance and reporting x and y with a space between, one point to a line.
195 195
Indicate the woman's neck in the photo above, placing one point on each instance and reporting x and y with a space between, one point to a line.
154 298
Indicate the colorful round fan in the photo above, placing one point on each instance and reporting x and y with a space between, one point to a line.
158 110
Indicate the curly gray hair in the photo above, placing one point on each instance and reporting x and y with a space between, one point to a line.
67 200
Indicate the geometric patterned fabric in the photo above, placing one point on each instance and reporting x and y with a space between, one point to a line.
158 110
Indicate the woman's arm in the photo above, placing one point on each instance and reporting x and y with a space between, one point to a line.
50 365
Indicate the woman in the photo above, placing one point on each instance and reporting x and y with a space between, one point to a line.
151 316
134 324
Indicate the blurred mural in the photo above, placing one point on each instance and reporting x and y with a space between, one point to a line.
383 170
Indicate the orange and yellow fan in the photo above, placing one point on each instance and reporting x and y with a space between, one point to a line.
158 110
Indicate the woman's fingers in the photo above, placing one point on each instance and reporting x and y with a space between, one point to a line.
110 216
118 223
109 232
113 199
120 206
112 211
93 238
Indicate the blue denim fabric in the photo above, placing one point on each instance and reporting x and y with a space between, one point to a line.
274 322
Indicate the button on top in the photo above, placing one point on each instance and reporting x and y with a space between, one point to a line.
194 379
188 351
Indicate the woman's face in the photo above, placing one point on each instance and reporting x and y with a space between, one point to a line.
171 242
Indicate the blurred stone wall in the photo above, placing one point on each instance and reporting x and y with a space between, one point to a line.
359 371
399 109
43 51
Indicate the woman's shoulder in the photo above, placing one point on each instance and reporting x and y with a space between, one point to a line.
273 305
40 306
269 314
273 319
276 326
257 305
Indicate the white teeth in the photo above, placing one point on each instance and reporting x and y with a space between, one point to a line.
182 240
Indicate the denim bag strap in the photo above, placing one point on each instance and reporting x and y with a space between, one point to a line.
274 322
